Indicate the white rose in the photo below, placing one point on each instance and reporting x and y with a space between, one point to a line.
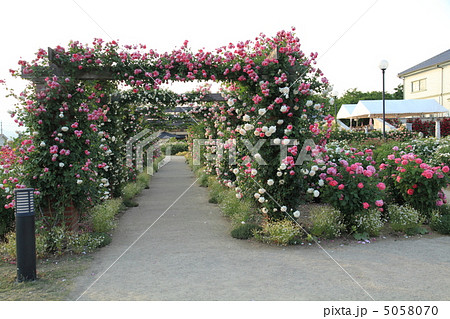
316 193
230 102
309 103
286 141
246 118
279 122
262 111
64 128
254 172
261 190
277 141
279 174
272 129
236 170
42 144
283 208
296 214
248 127
310 190
257 195
79 181
312 173
61 164
283 166
242 131
261 199
238 195
321 182
264 129
265 210
270 182
283 109
315 168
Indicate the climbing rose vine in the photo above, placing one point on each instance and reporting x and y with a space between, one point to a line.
77 132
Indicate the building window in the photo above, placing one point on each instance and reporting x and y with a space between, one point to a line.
419 85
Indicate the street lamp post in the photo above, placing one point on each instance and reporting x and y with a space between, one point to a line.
383 66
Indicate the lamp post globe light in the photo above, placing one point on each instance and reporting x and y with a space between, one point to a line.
383 66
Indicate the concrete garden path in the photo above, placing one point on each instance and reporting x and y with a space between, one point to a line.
188 254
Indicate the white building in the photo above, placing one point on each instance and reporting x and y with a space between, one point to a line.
429 79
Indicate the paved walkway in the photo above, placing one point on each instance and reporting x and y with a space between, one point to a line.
188 254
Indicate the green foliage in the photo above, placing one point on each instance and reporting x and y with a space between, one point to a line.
369 222
327 222
56 240
280 232
353 96
103 215
216 191
202 178
8 247
411 180
245 231
403 218
440 220
87 242
174 148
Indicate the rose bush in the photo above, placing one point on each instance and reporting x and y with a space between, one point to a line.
412 181
347 179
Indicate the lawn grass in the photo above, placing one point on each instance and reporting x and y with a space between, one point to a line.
55 279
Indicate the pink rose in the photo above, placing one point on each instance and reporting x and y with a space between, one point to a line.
428 173
366 205
360 185
379 202
381 186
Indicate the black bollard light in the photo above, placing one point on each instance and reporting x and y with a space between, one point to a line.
25 234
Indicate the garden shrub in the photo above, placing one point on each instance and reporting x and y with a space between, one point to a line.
245 231
410 180
281 232
174 147
369 222
8 248
143 179
87 242
202 178
56 240
215 191
327 222
440 220
103 215
346 179
403 218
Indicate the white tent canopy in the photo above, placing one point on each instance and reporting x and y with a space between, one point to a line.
345 111
397 108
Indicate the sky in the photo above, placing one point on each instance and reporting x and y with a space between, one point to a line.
350 36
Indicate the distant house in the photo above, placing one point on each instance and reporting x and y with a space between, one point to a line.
429 79
3 139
